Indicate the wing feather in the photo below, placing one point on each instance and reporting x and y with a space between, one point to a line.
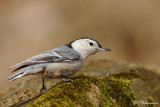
60 54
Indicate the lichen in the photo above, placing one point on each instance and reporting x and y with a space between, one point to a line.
113 92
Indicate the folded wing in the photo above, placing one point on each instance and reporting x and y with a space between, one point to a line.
60 54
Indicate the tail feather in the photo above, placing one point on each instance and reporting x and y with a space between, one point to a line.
18 65
19 68
16 75
26 71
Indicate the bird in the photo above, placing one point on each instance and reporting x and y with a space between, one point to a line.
60 62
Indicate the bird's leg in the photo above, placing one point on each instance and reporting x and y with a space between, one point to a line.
43 85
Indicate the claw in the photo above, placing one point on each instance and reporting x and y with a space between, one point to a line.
67 80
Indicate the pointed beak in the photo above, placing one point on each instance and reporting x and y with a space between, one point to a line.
104 49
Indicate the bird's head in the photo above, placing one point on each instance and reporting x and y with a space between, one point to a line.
87 46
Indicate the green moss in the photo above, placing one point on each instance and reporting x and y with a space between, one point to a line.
130 74
151 100
116 92
113 91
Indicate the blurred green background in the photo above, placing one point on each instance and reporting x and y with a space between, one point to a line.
131 28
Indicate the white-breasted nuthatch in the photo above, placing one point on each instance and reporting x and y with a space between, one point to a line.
60 62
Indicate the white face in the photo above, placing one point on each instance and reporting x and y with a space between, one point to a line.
86 46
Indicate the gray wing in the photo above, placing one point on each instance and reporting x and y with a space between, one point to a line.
60 54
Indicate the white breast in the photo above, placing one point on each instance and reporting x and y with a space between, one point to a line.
64 68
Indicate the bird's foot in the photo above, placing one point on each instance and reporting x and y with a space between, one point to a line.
67 80
43 88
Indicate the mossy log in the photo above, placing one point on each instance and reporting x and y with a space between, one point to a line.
88 91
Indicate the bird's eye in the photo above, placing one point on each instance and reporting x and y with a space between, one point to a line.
91 43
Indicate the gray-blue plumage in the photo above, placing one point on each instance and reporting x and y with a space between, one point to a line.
59 54
56 55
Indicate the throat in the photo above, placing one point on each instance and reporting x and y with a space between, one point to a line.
84 55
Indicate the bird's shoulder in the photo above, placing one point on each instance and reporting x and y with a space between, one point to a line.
62 52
